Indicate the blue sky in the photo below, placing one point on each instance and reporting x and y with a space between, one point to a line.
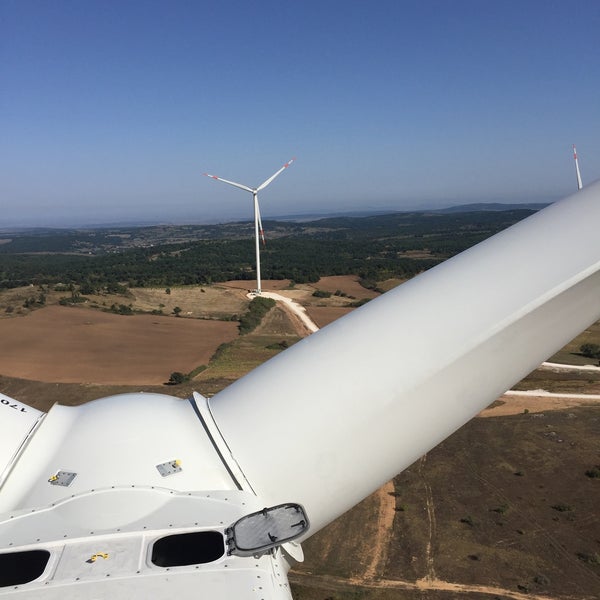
111 111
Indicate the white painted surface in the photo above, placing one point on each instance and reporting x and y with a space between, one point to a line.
115 441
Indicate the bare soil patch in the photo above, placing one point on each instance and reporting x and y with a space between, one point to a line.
515 405
69 345
323 315
344 283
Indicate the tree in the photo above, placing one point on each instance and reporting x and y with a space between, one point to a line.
176 311
590 350
177 378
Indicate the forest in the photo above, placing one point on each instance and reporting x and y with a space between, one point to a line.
374 248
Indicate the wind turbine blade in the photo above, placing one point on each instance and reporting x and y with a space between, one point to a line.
260 227
233 183
579 184
360 400
263 185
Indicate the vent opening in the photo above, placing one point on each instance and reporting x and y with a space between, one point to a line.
17 568
188 549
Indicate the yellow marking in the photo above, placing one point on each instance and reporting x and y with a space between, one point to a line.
94 557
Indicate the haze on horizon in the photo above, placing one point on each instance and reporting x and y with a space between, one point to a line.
111 112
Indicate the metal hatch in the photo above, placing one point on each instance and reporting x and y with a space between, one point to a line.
268 528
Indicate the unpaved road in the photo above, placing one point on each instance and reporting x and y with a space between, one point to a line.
292 306
329 582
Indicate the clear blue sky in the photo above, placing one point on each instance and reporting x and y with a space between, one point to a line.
112 110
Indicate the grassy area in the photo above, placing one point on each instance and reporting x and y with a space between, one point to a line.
238 358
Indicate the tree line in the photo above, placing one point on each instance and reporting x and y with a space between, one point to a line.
372 248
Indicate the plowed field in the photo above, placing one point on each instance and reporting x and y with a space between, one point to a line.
67 345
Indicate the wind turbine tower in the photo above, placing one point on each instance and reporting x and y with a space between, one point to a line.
258 229
579 184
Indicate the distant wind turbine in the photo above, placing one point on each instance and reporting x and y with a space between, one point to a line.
258 229
579 184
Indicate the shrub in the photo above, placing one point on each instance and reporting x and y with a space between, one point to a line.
360 302
586 557
257 309
177 378
593 473
122 309
560 507
278 345
321 294
590 350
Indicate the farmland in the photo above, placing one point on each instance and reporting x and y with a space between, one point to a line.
68 345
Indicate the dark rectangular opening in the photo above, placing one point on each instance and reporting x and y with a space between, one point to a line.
17 568
188 549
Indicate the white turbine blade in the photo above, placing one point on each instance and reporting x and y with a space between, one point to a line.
260 227
579 184
233 183
334 417
263 185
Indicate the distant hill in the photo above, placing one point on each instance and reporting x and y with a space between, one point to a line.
491 206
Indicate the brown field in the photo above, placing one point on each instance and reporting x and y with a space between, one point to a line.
516 405
344 283
67 345
323 315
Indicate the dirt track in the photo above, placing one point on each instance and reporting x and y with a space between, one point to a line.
516 404
329 582
70 345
